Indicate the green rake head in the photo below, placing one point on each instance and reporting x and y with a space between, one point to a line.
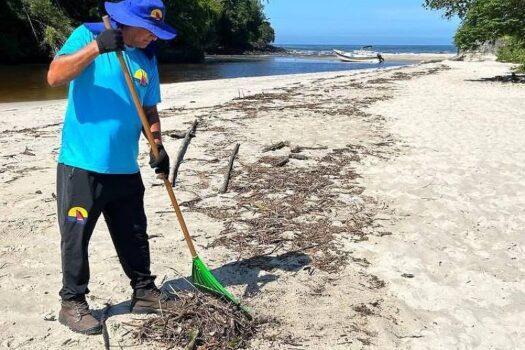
206 281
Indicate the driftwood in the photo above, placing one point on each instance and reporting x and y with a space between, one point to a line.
190 203
275 146
182 151
275 161
28 152
282 162
298 156
224 187
180 134
105 334
298 149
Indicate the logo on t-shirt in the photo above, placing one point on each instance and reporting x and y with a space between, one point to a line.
141 76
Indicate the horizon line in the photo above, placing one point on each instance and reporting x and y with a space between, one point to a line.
281 44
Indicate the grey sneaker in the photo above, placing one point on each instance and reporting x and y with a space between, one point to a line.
76 315
148 301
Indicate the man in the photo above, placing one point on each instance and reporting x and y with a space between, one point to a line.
97 165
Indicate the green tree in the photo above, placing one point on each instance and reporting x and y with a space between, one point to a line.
451 7
266 35
16 42
195 21
243 25
513 50
81 11
33 30
48 22
489 20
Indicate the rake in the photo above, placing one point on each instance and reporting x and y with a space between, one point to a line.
201 276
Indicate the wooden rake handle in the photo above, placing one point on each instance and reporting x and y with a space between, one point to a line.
149 136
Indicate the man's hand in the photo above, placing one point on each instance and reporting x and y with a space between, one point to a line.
110 40
162 164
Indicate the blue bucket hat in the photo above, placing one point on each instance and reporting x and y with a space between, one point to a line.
147 14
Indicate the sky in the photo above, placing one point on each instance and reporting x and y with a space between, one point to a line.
358 22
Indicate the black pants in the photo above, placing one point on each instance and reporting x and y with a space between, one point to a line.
82 196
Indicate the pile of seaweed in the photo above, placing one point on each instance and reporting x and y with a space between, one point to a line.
200 321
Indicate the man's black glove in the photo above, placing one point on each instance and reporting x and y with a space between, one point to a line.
162 164
110 40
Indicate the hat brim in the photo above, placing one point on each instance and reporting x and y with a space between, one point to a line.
160 29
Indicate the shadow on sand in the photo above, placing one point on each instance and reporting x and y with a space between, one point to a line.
511 78
239 272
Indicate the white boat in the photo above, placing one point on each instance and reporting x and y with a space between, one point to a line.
362 55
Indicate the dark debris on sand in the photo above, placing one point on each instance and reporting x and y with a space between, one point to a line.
292 198
283 207
200 321
303 208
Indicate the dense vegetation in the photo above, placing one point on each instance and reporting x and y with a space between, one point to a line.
451 7
32 30
488 21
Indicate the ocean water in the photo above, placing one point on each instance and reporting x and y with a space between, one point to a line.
28 82
327 50
299 59
256 66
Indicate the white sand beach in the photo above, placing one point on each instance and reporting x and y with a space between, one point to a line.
419 57
396 222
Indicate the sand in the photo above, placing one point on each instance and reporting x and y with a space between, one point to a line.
400 229
457 196
424 57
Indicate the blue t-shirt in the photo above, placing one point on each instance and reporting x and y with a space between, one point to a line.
102 127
